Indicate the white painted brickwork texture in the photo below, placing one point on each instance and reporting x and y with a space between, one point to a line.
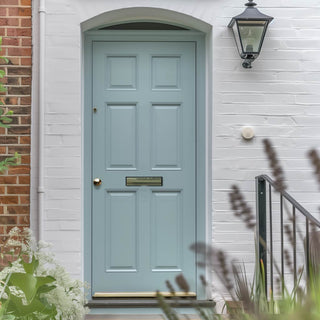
279 97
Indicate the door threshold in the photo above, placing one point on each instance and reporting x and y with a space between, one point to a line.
148 294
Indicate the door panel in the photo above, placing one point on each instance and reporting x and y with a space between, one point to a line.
121 72
166 137
166 72
121 232
121 137
144 93
167 246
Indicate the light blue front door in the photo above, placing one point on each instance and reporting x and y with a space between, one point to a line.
143 126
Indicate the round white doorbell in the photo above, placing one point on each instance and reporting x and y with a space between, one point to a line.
247 133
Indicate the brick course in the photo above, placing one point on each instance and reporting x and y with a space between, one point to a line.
16 31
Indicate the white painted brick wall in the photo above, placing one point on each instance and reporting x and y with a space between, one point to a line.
279 97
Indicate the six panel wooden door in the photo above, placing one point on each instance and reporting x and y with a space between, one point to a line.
144 126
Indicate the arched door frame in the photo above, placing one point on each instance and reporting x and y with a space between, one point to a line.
203 200
145 14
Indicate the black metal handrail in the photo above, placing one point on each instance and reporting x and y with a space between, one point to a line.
266 244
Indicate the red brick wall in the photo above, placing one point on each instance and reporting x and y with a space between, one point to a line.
16 31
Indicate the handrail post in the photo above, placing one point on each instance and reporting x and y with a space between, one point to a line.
261 216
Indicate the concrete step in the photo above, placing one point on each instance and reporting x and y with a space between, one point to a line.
187 304
148 303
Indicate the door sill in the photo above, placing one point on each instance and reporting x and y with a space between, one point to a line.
142 294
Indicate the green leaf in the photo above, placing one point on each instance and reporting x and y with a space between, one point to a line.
44 280
29 284
10 161
45 289
37 308
31 266
6 120
14 304
3 308
4 116
26 282
19 309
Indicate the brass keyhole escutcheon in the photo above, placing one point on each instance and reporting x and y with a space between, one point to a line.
97 181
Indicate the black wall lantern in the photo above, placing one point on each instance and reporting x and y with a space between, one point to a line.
249 29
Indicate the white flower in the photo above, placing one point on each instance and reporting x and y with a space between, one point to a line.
68 296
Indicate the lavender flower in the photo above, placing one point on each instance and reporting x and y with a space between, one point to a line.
241 208
275 166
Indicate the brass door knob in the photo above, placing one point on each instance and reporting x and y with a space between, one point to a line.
97 181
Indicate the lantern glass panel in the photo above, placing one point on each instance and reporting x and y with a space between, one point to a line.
251 35
236 36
